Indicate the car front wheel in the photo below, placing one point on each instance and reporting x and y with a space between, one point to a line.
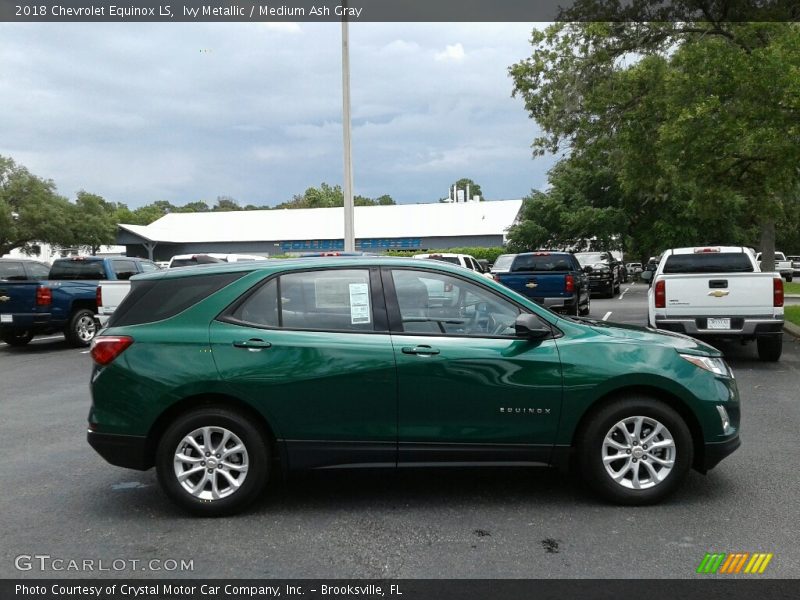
635 451
212 462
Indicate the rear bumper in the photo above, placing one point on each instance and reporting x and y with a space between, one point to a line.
558 303
714 452
129 451
740 326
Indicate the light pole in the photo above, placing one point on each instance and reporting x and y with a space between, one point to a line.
349 233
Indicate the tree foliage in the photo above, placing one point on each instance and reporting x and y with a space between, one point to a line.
30 210
695 126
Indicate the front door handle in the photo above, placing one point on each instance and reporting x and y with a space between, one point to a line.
422 350
252 344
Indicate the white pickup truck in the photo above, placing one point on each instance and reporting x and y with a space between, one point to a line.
718 293
782 265
109 295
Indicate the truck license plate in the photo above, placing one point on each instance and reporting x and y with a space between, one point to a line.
6 318
719 324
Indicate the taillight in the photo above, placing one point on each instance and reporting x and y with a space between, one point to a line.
569 283
777 291
661 293
44 296
98 296
105 348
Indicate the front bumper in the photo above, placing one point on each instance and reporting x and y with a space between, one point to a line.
596 285
714 452
129 451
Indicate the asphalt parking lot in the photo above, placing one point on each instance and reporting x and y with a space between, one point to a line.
61 499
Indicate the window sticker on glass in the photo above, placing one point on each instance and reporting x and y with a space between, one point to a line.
331 292
359 303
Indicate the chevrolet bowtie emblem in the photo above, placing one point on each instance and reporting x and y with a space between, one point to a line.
5 298
718 293
531 285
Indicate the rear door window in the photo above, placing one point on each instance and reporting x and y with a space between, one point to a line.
37 270
124 269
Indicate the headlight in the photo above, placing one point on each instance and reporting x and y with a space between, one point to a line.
715 365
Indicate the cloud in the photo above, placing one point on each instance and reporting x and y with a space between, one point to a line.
454 52
141 112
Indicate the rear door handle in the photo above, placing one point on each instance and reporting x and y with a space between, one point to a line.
252 344
421 350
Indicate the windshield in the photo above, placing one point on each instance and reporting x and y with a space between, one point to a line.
448 259
711 262
503 262
591 258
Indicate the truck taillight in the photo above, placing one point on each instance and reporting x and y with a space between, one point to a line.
44 296
105 348
661 293
98 296
777 291
569 283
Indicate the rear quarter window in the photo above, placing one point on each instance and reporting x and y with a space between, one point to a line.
158 299
12 271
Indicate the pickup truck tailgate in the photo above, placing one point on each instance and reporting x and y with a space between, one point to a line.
536 285
18 302
724 294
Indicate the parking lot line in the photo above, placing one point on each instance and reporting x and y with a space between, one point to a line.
605 317
623 293
51 337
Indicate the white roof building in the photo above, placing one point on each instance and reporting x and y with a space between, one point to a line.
400 226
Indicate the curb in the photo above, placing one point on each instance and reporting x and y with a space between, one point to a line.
791 329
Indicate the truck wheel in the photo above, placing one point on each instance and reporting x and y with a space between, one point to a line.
17 338
789 279
212 461
635 451
770 348
81 328
584 312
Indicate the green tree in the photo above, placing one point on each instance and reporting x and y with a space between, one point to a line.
697 121
93 222
30 210
225 203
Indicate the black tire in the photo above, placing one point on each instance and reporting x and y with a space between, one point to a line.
573 311
17 338
590 450
584 312
257 458
81 328
770 348
789 279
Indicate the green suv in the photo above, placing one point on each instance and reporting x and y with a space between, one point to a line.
219 376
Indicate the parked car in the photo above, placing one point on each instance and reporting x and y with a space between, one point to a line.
502 264
782 265
650 269
222 376
718 292
605 276
634 268
462 260
552 279
795 260
65 301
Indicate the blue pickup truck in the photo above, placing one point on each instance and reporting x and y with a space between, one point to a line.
66 300
553 279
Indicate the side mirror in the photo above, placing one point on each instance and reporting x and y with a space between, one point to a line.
529 327
646 275
587 269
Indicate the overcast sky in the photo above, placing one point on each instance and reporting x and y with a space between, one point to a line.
184 112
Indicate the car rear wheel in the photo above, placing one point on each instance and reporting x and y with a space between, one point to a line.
81 328
770 348
635 451
17 338
212 462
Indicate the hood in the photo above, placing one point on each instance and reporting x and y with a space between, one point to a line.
679 341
